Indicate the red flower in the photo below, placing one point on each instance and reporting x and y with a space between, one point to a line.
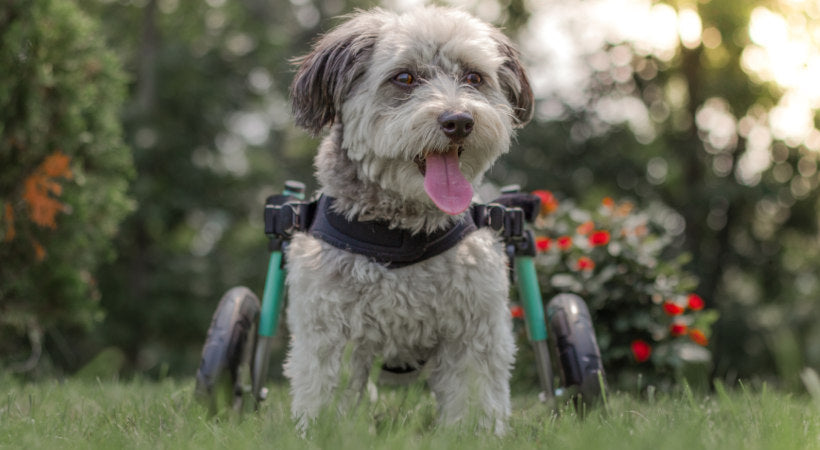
608 202
564 242
672 308
542 243
695 302
677 329
698 337
517 312
585 263
585 228
641 350
548 201
600 237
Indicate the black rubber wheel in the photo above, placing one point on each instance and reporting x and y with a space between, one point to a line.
574 343
223 380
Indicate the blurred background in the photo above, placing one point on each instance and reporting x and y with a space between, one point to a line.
139 139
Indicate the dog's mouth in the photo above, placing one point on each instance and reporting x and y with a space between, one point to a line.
443 181
421 160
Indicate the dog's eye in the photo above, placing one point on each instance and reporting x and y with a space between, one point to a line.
473 79
404 79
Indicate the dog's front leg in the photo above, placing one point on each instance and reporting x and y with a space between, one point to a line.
313 368
471 374
361 361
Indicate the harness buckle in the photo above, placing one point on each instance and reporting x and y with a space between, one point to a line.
514 223
291 216
496 213
283 220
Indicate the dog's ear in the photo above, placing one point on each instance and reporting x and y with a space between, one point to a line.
514 82
326 74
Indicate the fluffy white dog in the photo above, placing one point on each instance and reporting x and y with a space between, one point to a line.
419 106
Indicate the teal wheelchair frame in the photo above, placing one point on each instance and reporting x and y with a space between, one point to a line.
236 354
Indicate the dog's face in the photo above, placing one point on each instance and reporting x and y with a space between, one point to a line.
427 100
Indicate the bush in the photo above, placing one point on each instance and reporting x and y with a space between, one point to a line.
64 172
651 326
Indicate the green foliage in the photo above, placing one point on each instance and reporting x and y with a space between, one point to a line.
208 119
744 230
648 321
64 171
205 80
163 415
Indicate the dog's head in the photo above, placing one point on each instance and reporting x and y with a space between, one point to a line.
427 100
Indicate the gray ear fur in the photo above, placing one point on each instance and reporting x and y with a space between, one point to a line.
326 74
514 82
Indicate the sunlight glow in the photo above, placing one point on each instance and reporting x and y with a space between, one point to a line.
791 119
689 27
717 125
786 52
756 158
564 42
711 38
629 110
663 31
767 28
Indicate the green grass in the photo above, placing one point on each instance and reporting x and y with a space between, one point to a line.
142 414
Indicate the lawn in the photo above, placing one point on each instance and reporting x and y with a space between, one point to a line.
143 414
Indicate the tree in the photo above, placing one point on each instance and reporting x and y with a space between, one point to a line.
209 122
64 171
687 104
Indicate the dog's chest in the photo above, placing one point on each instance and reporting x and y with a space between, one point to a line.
412 306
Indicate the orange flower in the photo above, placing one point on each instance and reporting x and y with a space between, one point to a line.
43 208
564 243
698 337
608 202
641 350
542 243
56 165
548 201
585 228
677 329
585 263
600 237
517 312
695 302
39 251
672 308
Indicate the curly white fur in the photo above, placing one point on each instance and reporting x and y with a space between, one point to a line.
450 310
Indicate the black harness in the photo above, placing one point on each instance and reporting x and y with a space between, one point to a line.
394 247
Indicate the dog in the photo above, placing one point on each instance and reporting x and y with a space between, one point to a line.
418 105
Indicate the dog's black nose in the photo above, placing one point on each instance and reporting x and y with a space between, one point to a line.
456 125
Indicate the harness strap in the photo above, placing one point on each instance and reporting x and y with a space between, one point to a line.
395 247
392 247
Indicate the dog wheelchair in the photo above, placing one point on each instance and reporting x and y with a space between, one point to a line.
236 355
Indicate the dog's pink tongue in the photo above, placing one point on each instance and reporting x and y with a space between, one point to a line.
445 184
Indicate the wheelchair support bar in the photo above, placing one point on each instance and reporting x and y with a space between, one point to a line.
280 223
531 298
272 295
